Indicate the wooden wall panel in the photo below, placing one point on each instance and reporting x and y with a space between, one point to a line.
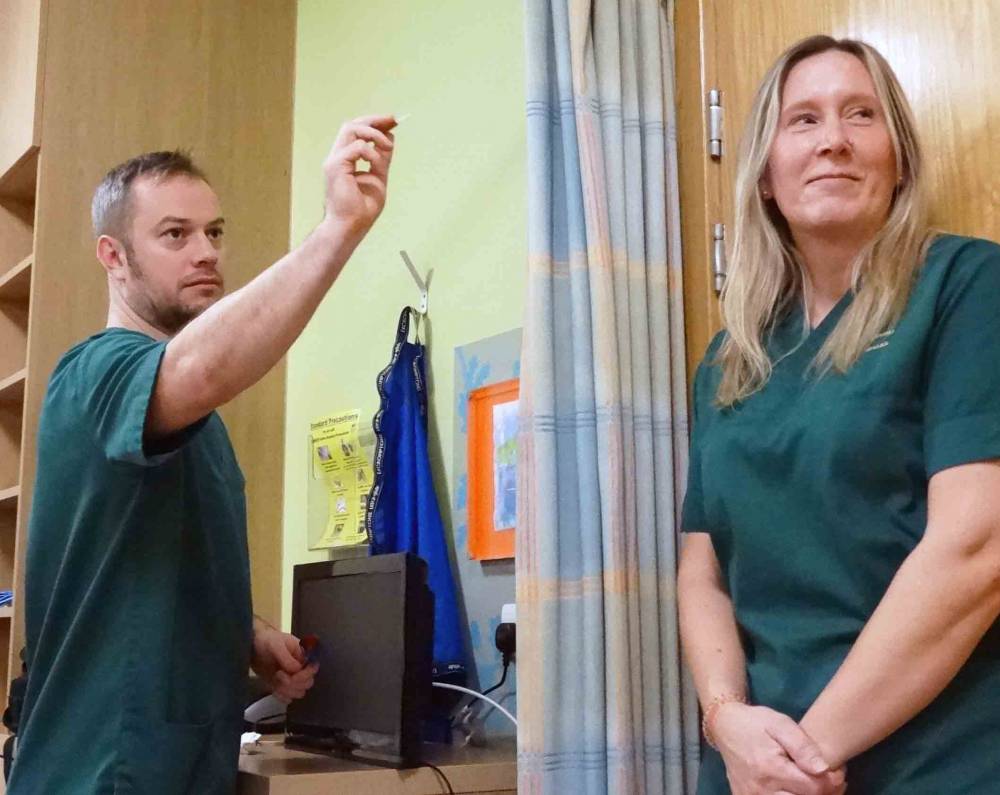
123 77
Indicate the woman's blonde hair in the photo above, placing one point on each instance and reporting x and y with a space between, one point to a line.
765 271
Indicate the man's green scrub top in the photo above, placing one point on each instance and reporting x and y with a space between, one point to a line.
814 491
139 622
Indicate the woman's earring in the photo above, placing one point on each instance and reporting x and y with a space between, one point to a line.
765 194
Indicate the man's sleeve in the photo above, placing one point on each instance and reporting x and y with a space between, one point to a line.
113 379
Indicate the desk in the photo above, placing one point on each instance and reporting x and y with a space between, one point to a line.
283 771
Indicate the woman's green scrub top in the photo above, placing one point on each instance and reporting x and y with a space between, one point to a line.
814 491
139 623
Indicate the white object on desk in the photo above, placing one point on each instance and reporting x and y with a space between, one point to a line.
267 707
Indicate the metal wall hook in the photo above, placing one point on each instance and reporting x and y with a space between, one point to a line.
422 284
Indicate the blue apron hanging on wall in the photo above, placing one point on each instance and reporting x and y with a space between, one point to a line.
403 513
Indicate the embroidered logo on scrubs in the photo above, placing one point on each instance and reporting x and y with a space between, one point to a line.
881 340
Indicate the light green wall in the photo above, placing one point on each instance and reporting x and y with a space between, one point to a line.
456 204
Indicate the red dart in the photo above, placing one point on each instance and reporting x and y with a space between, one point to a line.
310 646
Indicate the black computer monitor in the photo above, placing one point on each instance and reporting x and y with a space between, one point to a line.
374 619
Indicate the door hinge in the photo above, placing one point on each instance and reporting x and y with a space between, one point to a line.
715 124
718 256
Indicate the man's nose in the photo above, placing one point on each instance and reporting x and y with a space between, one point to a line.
206 251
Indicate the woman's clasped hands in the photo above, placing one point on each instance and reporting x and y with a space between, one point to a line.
768 753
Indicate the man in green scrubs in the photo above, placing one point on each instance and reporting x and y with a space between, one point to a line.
139 624
814 492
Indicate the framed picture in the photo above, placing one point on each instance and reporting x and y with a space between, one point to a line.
493 470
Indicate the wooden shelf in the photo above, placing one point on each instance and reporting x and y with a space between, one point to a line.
15 284
18 182
7 611
12 387
9 496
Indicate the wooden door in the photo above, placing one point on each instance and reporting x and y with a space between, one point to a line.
946 54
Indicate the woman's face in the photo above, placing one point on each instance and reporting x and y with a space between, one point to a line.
832 168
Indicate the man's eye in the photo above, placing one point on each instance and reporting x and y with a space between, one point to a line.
174 234
215 234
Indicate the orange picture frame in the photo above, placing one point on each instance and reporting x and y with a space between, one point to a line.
486 541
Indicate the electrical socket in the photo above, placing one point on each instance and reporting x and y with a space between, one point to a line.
506 635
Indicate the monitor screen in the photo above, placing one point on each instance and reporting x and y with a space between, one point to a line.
358 619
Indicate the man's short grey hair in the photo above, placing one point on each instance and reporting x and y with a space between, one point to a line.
110 210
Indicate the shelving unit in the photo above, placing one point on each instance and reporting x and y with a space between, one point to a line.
9 497
12 387
15 284
20 133
226 95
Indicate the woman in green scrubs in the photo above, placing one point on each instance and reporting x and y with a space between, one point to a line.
839 584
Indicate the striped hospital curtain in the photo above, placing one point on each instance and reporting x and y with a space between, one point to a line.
603 704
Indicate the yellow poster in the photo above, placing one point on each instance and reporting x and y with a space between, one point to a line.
339 461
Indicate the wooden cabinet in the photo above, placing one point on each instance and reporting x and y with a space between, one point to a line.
84 86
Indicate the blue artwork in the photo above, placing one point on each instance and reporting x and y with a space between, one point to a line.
486 586
461 535
472 374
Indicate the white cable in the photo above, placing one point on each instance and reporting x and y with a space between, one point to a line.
489 700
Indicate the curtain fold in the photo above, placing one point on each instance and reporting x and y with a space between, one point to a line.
604 706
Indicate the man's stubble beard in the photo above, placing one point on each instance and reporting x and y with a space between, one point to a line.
168 318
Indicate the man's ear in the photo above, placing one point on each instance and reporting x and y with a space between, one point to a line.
111 254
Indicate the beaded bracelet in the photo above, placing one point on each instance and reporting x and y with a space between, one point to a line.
712 708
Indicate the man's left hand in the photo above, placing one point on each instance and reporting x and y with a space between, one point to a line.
279 661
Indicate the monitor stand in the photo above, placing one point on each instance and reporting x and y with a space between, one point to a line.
341 746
